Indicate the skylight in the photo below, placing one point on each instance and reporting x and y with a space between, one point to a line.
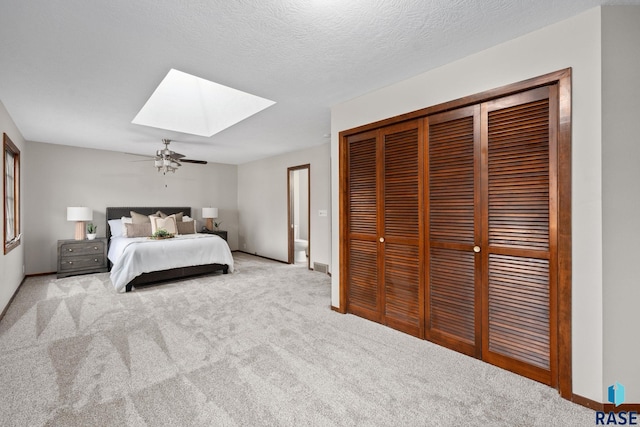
190 104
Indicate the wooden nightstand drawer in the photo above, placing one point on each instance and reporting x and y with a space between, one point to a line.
81 257
82 248
81 263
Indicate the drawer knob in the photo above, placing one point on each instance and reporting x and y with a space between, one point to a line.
95 248
70 250
70 262
96 260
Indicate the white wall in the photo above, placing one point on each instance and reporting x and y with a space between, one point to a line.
572 43
61 176
620 196
262 203
11 273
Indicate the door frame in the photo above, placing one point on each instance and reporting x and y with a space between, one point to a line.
564 253
290 228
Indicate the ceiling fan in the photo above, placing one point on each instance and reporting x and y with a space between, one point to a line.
167 160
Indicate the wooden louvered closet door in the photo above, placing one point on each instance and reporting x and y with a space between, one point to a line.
401 227
453 157
491 242
362 225
455 226
520 245
384 227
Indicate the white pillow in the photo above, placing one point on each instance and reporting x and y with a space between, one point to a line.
168 223
115 225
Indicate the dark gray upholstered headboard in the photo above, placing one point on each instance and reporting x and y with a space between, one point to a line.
116 213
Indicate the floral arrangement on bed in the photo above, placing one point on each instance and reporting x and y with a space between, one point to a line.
161 234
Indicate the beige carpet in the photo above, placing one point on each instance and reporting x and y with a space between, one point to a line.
257 347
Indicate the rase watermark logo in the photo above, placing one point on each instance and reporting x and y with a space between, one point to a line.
615 395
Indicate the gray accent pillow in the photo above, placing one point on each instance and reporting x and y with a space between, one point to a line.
137 230
138 218
186 227
178 215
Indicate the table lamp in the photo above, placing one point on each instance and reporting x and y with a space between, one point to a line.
80 215
209 214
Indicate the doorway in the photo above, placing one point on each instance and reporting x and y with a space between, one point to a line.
298 190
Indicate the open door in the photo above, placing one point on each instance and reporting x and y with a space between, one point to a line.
298 200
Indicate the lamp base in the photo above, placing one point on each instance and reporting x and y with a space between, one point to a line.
209 224
80 230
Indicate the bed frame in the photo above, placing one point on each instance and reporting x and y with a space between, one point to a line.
163 275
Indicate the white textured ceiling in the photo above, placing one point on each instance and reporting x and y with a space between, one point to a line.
76 72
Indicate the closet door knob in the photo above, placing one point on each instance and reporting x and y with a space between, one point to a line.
381 240
476 249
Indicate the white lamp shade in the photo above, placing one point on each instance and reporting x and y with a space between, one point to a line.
79 214
209 212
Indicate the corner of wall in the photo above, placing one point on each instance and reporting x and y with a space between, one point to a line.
620 198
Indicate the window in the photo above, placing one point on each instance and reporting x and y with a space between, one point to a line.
11 195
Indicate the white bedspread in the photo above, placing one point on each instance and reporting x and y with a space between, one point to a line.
133 256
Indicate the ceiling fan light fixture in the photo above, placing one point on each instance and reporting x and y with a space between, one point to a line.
167 160
166 168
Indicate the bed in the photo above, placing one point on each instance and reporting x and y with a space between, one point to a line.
136 261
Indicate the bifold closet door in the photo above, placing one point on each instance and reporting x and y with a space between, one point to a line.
453 220
519 256
492 224
384 227
401 227
455 226
363 289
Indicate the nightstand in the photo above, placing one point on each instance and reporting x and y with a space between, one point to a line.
82 257
220 233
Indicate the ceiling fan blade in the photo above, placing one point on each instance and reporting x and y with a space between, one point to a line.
140 155
143 159
176 156
197 162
